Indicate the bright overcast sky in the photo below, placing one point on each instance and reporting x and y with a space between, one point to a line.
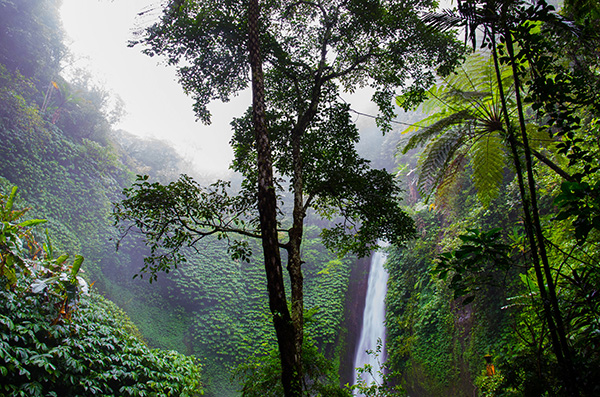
156 106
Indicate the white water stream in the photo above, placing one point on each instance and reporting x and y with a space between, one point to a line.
373 326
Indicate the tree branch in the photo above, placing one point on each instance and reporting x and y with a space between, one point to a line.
553 166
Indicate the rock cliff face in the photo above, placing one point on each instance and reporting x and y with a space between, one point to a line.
355 304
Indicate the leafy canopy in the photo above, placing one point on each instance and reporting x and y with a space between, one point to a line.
382 44
312 51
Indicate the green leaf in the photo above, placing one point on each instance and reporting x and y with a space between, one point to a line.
487 160
433 126
32 222
10 201
38 286
436 157
76 265
48 245
61 259
531 285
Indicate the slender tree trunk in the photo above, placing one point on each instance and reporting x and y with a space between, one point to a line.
528 223
568 372
267 207
526 210
296 232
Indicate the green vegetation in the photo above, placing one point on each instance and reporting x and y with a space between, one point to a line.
503 169
298 58
69 164
57 338
505 274
261 374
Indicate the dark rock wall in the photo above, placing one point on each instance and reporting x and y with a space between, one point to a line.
353 316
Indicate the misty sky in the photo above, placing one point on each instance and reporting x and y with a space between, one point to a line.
155 103
98 31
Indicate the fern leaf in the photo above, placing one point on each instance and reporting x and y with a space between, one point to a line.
426 122
427 133
487 162
448 187
465 95
435 159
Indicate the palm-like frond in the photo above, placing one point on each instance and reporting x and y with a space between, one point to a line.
487 161
471 16
448 187
444 20
435 160
428 132
464 122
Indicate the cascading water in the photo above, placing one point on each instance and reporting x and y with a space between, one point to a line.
373 326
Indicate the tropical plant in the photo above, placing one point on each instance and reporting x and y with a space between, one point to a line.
523 37
57 338
474 263
48 275
260 374
464 126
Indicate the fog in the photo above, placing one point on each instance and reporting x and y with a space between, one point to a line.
155 104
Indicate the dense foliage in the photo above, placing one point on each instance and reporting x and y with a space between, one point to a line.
466 286
58 339
298 129
59 147
513 272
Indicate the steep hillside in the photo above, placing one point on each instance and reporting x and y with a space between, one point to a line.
61 150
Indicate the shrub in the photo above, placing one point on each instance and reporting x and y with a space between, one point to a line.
57 338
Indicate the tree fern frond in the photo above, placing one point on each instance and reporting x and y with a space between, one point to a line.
466 95
466 113
487 162
422 124
445 20
435 159
472 72
506 75
447 188
478 74
427 133
437 101
470 85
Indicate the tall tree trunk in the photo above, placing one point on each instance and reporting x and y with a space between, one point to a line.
267 208
528 223
296 232
299 213
532 222
568 373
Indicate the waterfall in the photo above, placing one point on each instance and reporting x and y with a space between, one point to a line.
373 326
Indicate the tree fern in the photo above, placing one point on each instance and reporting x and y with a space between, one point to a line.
427 132
435 160
487 161
449 185
463 123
